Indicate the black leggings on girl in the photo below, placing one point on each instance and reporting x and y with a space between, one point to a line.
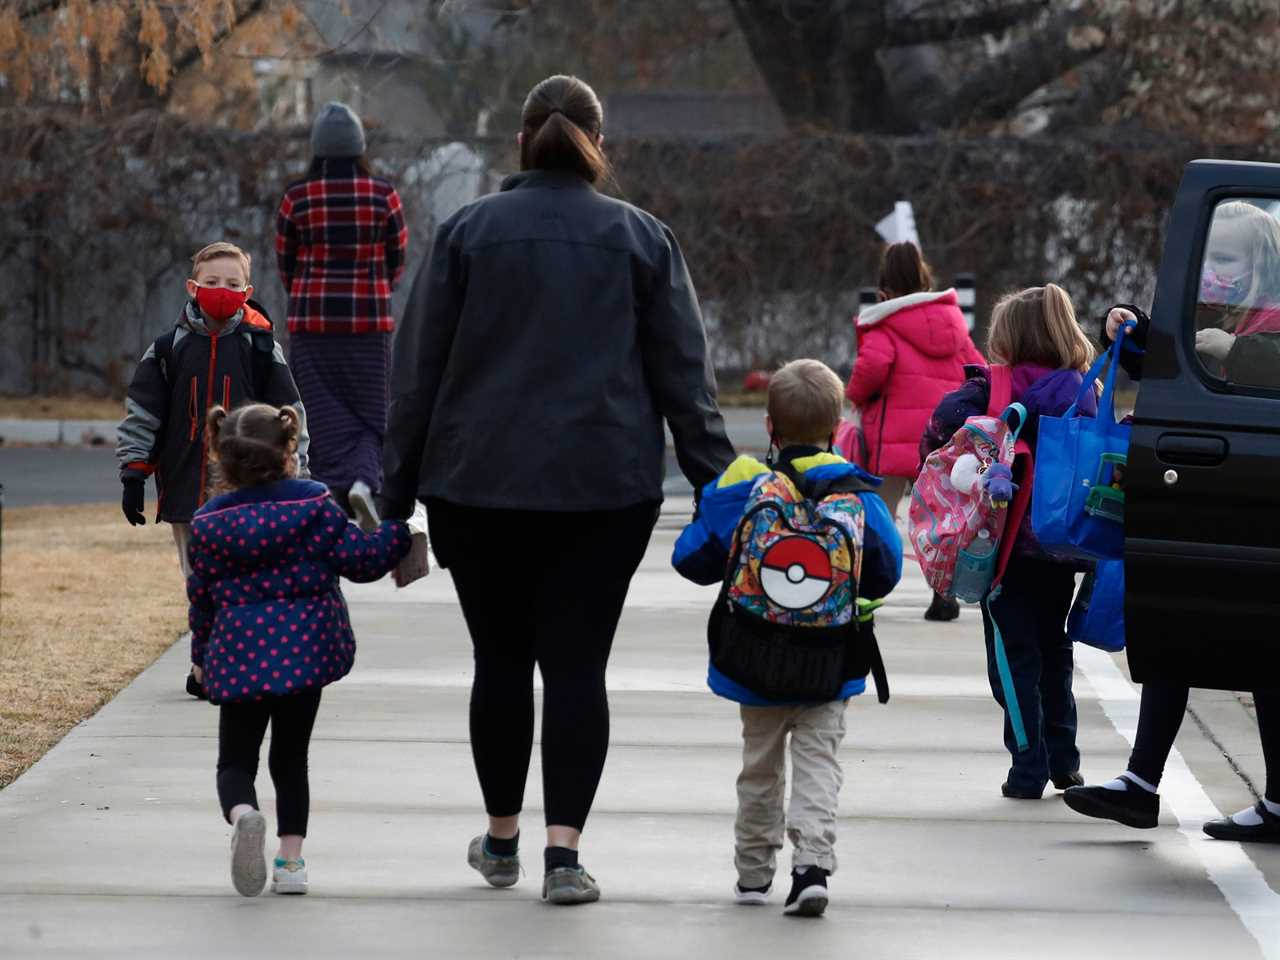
541 588
1160 716
241 727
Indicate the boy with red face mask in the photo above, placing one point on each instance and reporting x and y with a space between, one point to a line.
221 351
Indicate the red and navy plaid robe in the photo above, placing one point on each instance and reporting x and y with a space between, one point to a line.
341 244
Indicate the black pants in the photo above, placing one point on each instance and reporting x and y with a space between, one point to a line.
1160 716
241 727
540 588
1031 613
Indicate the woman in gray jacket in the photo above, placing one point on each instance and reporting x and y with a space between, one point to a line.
550 333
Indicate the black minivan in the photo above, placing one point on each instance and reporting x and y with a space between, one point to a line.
1202 488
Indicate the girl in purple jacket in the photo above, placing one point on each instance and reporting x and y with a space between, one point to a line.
1036 335
269 625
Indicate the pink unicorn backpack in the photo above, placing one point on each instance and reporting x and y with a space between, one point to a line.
963 500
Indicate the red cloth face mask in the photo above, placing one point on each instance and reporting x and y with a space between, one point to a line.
219 303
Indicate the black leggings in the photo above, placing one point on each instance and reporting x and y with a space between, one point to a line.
1160 716
241 727
540 588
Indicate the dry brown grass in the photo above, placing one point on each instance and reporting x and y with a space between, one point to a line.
76 407
741 398
88 602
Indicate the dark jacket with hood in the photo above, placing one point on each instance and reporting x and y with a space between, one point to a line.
267 615
550 333
183 373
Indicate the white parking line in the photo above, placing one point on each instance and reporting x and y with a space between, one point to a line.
1228 866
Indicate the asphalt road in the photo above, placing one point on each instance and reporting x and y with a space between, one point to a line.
35 476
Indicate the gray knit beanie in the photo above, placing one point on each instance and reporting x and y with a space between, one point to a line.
337 132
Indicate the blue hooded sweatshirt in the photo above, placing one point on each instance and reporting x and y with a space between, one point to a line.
702 551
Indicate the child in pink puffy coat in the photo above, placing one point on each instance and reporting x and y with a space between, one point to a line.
912 350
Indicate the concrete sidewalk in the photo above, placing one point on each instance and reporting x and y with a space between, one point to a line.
112 845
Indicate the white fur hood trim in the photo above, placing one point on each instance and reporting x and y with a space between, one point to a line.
870 316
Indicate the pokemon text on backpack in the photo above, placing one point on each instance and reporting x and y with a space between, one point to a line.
960 501
788 623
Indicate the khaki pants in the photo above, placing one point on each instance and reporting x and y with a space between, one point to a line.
810 822
182 540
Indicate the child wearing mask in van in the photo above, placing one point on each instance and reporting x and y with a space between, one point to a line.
1239 283
1034 333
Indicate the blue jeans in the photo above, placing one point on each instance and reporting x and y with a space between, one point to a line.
1031 612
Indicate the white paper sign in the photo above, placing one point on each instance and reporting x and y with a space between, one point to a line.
899 226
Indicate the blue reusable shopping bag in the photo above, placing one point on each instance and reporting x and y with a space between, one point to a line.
1097 616
1077 501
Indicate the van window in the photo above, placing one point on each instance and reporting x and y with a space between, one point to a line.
1237 315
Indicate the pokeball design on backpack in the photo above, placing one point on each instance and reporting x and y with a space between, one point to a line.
795 573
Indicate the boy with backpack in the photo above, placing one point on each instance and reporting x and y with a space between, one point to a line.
221 351
804 549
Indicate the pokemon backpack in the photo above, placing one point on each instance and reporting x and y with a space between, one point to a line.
960 503
787 624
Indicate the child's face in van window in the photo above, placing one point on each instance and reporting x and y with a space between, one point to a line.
1228 262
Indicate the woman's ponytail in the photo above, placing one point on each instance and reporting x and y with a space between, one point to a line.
561 125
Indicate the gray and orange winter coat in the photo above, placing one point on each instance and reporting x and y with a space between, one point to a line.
183 373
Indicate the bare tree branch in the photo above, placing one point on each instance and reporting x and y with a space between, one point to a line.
189 57
1043 55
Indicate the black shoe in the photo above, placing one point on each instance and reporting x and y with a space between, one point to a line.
1132 806
194 688
1064 781
943 608
1268 831
808 897
1012 793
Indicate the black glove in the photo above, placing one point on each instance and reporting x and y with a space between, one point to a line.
135 494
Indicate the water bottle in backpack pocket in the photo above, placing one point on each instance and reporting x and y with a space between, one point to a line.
959 505
975 568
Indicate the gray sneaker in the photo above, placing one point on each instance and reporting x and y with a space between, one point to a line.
570 885
498 871
248 864
366 511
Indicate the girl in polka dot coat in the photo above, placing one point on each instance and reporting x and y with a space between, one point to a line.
269 625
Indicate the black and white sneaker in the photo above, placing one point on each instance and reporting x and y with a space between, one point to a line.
362 506
1133 806
752 896
808 897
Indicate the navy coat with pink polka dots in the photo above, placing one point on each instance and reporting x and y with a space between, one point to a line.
267 614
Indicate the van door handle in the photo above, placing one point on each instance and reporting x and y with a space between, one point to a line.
1191 451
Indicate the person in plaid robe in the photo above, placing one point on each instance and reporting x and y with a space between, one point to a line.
341 245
